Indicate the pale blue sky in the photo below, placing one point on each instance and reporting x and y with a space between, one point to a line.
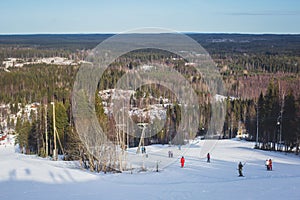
114 16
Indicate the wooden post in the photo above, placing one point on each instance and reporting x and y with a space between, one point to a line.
54 133
46 131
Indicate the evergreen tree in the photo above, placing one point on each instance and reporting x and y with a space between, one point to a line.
289 125
271 113
23 136
261 117
61 119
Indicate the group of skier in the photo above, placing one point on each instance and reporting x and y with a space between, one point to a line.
269 164
240 165
182 160
170 154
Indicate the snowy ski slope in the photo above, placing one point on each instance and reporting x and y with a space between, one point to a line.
30 177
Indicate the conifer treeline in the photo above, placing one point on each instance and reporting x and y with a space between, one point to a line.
277 114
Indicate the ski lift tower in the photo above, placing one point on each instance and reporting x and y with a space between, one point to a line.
142 141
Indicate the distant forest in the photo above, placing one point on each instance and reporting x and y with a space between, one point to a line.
243 59
268 44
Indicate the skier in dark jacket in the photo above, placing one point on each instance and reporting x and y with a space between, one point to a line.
208 157
240 168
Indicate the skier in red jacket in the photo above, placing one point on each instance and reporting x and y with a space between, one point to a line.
182 160
270 164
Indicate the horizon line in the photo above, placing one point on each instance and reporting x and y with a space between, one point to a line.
180 32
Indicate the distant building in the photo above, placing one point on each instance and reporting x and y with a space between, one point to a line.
242 132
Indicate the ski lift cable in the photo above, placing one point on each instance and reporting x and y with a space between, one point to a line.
212 148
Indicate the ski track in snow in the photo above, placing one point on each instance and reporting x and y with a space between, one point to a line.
31 177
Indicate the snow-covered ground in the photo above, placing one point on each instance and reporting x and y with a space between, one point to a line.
30 177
